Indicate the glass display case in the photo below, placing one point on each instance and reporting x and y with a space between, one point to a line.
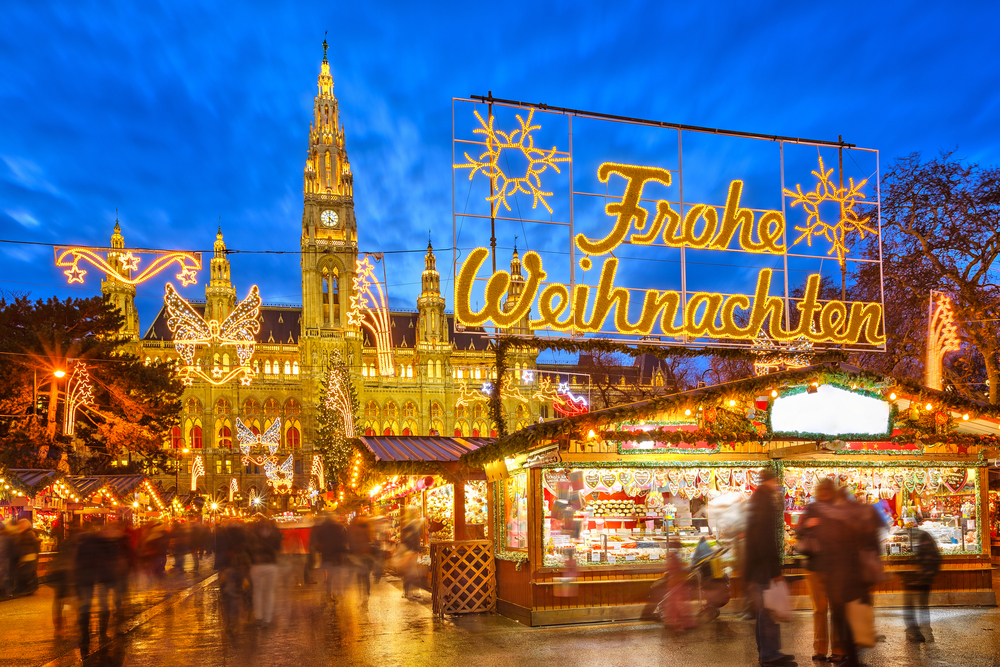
943 501
636 516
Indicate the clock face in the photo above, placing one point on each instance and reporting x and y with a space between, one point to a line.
329 218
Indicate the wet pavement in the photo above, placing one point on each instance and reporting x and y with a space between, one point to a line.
184 628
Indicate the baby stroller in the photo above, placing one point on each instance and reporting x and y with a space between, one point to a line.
691 595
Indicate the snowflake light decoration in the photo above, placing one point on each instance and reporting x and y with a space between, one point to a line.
849 222
505 185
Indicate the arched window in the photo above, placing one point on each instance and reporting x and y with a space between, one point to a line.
459 412
251 409
224 434
256 366
267 367
437 365
225 361
409 410
409 371
371 410
295 368
364 370
216 359
436 411
292 438
437 428
478 374
193 406
176 439
430 369
272 408
331 296
288 367
196 436
223 407
292 408
477 411
391 410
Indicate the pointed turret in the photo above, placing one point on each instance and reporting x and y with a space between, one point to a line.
431 322
327 170
220 295
514 291
121 293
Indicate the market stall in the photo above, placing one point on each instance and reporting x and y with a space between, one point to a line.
604 500
423 480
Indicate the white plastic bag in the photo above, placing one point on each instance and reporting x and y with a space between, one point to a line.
777 602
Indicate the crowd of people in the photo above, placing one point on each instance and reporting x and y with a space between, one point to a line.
19 548
841 539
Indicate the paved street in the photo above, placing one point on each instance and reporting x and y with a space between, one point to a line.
171 625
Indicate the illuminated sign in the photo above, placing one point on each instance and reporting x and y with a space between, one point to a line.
830 411
632 221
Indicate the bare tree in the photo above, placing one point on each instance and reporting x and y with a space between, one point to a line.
941 231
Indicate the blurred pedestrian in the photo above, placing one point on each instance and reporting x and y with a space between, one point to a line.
359 543
60 579
101 566
917 585
6 559
26 549
265 543
233 559
411 539
843 529
330 541
763 567
380 546
180 543
814 544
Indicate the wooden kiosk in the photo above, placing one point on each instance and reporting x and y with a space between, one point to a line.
587 509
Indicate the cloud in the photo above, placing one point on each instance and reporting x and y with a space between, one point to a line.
23 217
27 173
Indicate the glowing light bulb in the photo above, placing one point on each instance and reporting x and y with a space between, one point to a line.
59 373
892 396
965 417
774 393
929 406
732 403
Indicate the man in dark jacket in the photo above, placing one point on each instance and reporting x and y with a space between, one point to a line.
265 543
763 567
812 539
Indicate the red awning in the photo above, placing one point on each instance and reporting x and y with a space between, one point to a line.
425 448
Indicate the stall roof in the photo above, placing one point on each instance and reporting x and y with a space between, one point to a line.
984 421
421 448
35 476
120 484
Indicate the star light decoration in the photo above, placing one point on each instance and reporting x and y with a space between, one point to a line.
370 309
197 470
317 470
103 259
849 221
191 331
517 140
942 338
79 392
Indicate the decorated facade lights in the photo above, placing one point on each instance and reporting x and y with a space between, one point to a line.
370 309
197 470
234 488
774 356
256 500
317 471
79 392
280 477
942 337
468 396
338 395
191 331
118 264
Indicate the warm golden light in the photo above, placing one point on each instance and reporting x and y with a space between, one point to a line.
929 406
774 393
892 396
59 373
965 417
732 403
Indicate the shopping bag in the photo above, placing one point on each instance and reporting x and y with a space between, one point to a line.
777 602
861 618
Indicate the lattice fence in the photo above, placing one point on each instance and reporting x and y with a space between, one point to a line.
464 577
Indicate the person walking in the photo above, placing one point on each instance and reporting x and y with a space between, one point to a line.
917 585
330 541
410 538
763 568
265 542
60 579
26 547
360 545
7 564
101 566
813 543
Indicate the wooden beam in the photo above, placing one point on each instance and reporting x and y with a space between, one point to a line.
794 450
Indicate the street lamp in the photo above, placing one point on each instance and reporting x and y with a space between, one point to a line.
59 373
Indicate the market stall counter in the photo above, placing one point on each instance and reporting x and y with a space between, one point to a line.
590 510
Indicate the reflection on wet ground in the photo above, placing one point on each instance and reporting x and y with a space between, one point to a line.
386 629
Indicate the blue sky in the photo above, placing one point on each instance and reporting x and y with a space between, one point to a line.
179 113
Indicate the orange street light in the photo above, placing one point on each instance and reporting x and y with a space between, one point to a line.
59 373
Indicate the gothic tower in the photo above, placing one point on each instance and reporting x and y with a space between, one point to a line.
329 229
220 295
121 294
514 291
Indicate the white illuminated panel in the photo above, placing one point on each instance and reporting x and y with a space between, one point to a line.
830 411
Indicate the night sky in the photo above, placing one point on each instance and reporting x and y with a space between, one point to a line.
177 114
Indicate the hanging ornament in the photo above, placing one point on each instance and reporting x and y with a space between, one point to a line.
591 479
710 415
642 478
625 477
940 418
608 480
